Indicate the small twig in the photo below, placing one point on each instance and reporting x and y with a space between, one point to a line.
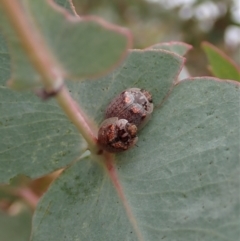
28 196
77 116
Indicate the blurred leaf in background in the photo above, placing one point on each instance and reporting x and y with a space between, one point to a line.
220 64
15 224
190 21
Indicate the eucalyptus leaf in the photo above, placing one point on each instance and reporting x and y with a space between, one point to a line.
180 183
37 138
179 48
175 47
79 47
153 70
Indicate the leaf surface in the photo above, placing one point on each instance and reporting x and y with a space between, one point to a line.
220 64
180 183
179 48
37 138
153 70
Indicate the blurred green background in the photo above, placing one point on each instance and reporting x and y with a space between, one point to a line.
190 21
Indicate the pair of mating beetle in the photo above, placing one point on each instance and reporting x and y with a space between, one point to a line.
125 115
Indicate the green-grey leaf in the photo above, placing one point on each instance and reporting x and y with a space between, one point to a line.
82 47
86 198
4 60
181 182
175 47
23 74
15 227
153 70
90 47
36 136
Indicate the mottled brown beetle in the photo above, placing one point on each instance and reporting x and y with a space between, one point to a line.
117 135
126 113
134 105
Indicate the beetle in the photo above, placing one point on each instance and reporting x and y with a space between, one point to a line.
125 115
117 135
133 104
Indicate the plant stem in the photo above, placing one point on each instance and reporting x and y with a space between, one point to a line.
51 74
77 116
28 196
